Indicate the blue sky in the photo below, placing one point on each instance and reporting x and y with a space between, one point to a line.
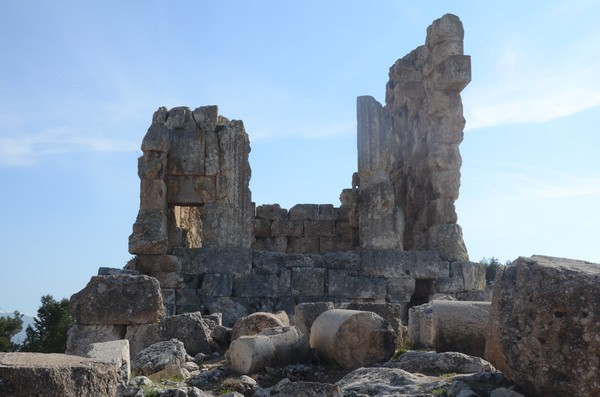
79 82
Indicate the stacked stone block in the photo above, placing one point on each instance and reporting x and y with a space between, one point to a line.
305 228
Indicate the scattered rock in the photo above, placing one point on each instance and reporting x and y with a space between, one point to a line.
80 337
389 382
435 364
286 388
352 338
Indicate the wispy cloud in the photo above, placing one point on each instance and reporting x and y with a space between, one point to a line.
533 81
27 150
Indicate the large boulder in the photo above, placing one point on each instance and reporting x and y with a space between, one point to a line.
55 375
121 299
352 338
160 356
544 326
189 328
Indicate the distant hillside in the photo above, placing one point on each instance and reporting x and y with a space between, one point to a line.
27 320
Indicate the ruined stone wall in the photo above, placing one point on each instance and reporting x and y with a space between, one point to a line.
393 239
305 228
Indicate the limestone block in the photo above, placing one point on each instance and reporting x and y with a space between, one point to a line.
152 165
460 326
206 117
160 115
235 261
115 353
271 244
118 300
190 329
169 280
544 326
435 364
180 118
344 285
400 289
288 228
304 212
271 212
318 228
454 73
374 132
305 315
442 210
420 326
156 139
191 189
254 323
149 233
226 226
263 285
169 300
159 356
349 260
53 375
211 162
80 337
334 244
381 223
447 239
303 244
158 263
232 308
214 284
262 228
326 212
188 297
308 282
446 183
273 347
141 336
352 338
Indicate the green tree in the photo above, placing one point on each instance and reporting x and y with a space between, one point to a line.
491 268
9 327
49 333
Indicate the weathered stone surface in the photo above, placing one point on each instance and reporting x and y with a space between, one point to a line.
118 300
115 353
149 233
435 364
142 336
305 315
80 337
352 338
344 284
190 329
254 323
449 325
393 313
271 347
544 326
55 375
287 388
159 356
388 382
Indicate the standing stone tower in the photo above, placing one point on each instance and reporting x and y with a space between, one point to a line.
408 151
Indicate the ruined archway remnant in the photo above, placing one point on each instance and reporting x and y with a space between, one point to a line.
201 236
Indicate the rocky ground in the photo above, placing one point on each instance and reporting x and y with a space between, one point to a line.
433 374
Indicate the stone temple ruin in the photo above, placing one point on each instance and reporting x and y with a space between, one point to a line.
394 238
